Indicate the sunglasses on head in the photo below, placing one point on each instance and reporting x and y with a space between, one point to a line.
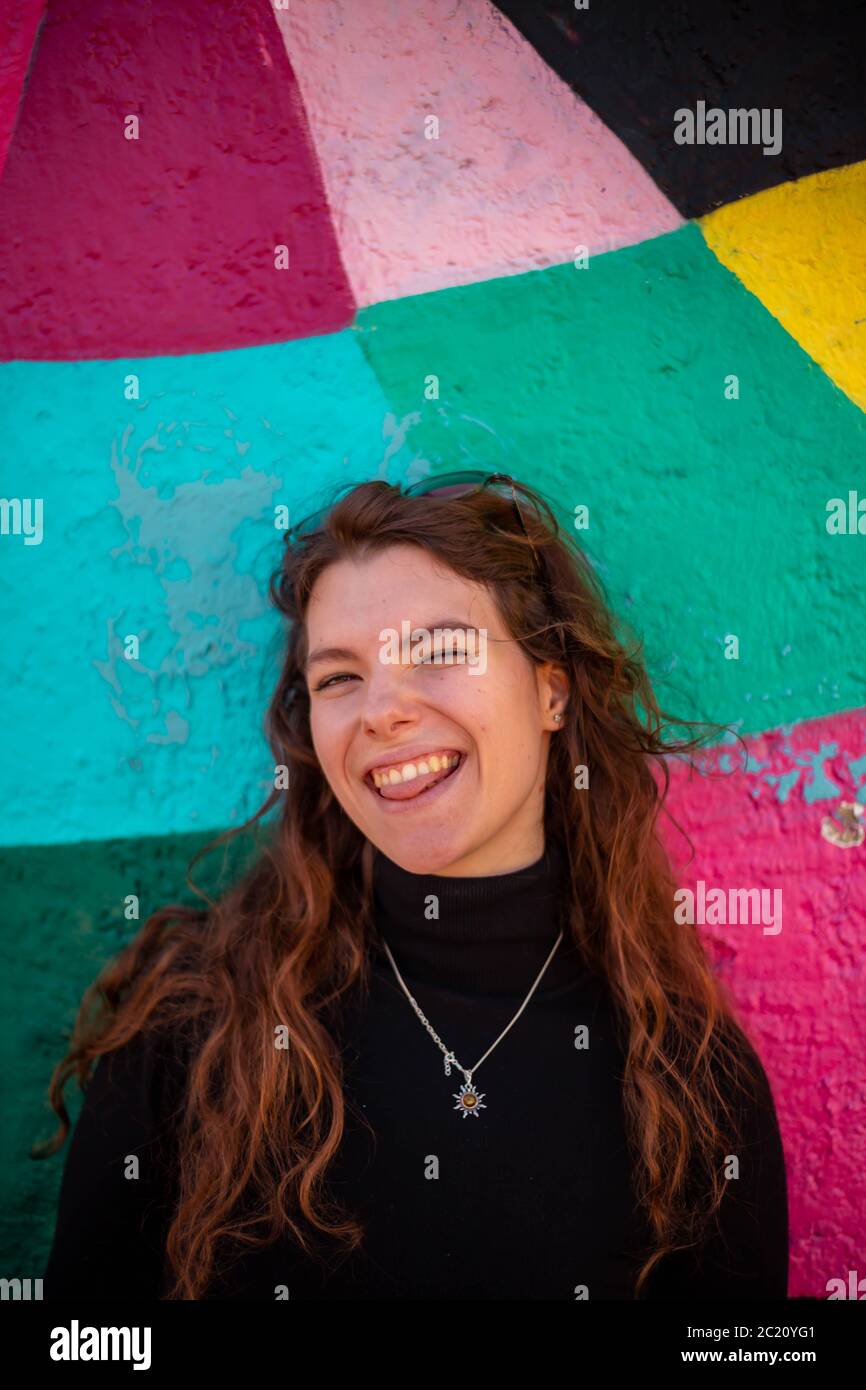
445 486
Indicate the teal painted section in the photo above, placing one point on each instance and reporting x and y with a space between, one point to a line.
158 520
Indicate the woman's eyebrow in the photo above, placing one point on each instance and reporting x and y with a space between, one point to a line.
347 654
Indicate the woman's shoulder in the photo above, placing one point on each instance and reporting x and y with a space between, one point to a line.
744 1079
758 1148
744 1252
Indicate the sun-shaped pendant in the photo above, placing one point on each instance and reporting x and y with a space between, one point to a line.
469 1100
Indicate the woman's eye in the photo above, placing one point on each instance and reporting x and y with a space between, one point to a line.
343 676
440 656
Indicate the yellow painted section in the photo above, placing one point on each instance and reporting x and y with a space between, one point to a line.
801 249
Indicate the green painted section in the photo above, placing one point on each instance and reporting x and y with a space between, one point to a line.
606 386
62 908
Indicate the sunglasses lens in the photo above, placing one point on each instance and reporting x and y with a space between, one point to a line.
456 490
447 484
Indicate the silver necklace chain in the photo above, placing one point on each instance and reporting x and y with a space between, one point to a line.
468 1098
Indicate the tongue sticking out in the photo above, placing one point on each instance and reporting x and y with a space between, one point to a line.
405 791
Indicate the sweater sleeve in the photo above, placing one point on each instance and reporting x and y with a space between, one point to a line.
116 1189
746 1255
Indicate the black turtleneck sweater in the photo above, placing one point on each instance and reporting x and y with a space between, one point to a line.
529 1198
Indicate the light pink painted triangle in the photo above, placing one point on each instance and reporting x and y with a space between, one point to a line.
522 173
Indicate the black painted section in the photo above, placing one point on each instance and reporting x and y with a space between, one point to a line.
636 63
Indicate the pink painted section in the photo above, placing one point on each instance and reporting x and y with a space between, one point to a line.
163 245
522 173
800 993
18 28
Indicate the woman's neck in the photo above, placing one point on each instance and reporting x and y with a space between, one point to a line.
485 934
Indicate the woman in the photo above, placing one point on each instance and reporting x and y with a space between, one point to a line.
444 1038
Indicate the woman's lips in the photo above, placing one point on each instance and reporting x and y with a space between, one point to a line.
421 790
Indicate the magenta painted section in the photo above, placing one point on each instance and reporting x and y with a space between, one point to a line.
165 244
800 991
521 174
18 28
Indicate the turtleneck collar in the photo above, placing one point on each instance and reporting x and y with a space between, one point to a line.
492 934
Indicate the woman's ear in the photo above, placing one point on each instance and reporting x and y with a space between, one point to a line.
553 691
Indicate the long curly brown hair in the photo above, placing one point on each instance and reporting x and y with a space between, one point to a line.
289 939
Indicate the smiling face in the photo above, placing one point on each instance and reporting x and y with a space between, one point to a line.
440 766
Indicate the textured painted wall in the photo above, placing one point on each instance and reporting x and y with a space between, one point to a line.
801 249
518 172
795 970
164 386
636 62
163 243
18 30
160 522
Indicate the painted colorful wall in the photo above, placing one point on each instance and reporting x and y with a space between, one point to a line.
586 290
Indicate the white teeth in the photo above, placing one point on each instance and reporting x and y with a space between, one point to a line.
436 763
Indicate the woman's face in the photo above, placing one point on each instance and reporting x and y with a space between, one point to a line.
376 710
